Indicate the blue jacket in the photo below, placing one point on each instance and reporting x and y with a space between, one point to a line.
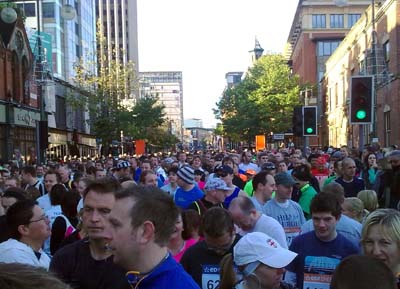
167 275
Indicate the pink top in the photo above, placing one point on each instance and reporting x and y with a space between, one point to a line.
188 243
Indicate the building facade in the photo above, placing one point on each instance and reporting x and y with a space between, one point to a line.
68 35
357 56
317 29
168 87
119 27
19 104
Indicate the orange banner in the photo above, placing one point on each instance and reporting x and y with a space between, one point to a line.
140 145
260 142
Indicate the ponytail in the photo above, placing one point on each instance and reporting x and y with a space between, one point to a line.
227 273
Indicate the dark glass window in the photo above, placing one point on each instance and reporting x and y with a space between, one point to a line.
327 47
352 19
337 21
318 21
48 10
29 9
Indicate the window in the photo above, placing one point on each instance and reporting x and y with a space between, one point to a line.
337 21
352 19
386 116
48 10
318 21
29 9
386 51
326 48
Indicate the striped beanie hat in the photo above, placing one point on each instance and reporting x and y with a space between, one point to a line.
186 173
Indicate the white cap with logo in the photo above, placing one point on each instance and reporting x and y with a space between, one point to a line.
257 247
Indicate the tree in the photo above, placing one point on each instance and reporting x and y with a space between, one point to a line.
262 103
108 96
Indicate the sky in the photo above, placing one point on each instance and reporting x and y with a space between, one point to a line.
206 39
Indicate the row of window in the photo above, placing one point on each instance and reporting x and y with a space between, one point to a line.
336 20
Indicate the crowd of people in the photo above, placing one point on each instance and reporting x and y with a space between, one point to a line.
275 219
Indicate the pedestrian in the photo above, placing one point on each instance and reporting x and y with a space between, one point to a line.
29 228
260 260
86 263
140 226
381 238
366 272
321 250
202 260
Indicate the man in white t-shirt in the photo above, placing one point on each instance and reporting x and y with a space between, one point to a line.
248 219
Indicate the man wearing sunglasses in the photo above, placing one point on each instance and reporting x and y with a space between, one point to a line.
202 260
29 228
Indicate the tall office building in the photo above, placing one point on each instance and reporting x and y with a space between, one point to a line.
119 27
167 86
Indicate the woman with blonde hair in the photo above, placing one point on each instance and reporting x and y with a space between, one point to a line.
380 237
369 199
353 208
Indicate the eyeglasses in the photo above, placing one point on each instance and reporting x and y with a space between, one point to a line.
223 248
42 218
221 174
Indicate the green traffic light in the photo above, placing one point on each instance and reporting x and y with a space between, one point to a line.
361 114
309 130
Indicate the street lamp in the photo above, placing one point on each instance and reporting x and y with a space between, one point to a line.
122 142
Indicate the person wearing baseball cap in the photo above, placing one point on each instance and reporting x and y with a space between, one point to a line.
216 192
260 260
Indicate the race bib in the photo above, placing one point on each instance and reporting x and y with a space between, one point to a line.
291 233
210 276
318 272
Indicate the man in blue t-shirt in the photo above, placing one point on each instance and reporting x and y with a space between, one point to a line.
321 250
188 192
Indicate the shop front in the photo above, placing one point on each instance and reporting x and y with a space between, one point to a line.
58 147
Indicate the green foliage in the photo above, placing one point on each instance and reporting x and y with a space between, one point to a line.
262 103
108 96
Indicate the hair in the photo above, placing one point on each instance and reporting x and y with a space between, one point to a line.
369 199
389 222
326 202
69 202
366 164
17 180
91 170
227 159
58 191
154 205
191 223
172 170
216 222
356 206
260 178
18 214
347 161
334 188
53 172
29 170
244 203
144 174
32 193
227 273
16 193
361 271
302 173
22 276
105 185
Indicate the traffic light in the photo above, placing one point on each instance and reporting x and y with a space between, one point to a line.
309 120
297 121
361 99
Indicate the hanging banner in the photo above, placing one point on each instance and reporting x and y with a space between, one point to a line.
260 142
140 147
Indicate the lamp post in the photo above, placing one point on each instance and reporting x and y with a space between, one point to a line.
122 142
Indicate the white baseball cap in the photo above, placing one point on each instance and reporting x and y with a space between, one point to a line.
259 247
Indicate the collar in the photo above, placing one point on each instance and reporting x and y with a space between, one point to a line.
136 277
